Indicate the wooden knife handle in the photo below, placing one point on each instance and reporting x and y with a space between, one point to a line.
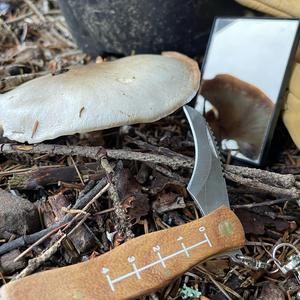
137 267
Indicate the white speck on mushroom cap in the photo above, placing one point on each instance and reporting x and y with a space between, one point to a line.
134 89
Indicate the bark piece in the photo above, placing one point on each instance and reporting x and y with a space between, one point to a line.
41 177
79 242
51 210
82 238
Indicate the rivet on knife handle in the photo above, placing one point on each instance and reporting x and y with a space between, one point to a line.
137 267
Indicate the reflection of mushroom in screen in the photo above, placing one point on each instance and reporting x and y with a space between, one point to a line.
243 109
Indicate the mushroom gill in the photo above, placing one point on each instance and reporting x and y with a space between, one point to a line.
243 109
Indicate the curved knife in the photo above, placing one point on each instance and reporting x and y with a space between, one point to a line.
207 186
211 193
151 261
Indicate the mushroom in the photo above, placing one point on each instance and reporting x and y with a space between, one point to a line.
243 111
134 89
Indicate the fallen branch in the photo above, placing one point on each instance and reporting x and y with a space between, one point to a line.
280 180
264 203
39 177
264 181
174 162
292 192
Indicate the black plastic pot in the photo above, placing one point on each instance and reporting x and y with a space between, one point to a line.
144 26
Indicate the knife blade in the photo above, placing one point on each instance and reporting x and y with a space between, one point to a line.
207 185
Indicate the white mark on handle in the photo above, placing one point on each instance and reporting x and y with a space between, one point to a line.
157 250
105 271
131 259
202 229
183 246
161 260
207 239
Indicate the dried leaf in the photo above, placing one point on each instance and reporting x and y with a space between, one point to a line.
52 66
168 201
52 209
133 200
169 193
162 183
136 206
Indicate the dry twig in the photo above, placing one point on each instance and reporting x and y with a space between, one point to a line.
34 263
174 162
121 225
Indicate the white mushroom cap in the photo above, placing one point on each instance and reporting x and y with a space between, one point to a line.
243 109
134 89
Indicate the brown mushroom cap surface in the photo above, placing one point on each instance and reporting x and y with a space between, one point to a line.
134 89
244 111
